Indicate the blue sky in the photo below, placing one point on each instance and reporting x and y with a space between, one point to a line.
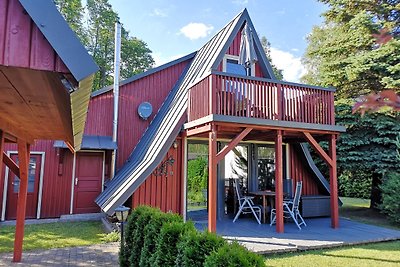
176 28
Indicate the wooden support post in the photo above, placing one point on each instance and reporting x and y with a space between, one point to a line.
233 144
212 180
333 183
23 155
279 182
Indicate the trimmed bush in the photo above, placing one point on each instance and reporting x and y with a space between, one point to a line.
233 255
130 228
194 247
151 232
355 184
391 197
166 246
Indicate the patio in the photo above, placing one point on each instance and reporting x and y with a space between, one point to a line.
318 234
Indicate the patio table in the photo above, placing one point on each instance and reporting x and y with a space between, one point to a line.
267 194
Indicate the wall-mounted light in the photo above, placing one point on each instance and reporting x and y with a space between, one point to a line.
175 144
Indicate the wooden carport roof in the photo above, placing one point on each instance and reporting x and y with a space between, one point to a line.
46 77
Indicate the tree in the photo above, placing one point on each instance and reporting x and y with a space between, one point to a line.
343 51
267 49
72 12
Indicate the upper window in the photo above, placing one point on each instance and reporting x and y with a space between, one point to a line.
231 65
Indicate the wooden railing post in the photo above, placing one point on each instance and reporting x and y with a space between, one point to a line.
213 95
279 95
332 107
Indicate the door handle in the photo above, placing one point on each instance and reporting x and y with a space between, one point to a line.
76 180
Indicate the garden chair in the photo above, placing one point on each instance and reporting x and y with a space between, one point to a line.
291 209
246 204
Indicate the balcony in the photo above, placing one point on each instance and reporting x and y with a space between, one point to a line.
251 97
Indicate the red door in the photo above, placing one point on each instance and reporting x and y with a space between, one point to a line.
88 181
33 189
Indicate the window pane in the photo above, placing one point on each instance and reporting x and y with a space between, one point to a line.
235 68
266 168
31 177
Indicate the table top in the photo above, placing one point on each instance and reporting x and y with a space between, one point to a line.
263 193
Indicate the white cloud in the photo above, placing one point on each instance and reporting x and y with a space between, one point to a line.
159 13
195 30
240 2
291 65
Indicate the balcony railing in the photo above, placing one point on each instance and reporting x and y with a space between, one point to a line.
253 97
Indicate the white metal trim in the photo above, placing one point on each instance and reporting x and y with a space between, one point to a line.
40 192
74 173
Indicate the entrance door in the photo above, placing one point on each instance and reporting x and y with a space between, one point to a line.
33 189
87 182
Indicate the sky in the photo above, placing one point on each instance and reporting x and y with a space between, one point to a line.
175 28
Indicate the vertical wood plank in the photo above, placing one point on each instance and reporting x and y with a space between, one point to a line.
23 154
279 182
212 180
1 163
3 26
333 183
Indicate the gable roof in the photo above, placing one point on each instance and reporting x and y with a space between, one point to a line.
168 122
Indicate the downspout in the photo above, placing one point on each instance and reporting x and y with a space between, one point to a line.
117 59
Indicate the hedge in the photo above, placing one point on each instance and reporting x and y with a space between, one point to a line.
391 197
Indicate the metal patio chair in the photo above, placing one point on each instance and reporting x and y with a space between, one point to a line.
291 209
246 204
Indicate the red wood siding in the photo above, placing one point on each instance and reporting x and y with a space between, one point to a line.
100 115
56 194
164 192
21 42
298 172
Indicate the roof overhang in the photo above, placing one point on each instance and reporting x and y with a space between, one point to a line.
95 142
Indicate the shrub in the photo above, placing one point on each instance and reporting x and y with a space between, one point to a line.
137 240
391 197
130 229
195 247
355 184
232 255
197 179
151 232
166 246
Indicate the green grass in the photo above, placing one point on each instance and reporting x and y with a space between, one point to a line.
379 254
358 209
54 235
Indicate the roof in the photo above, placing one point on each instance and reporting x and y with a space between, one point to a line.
168 122
145 74
73 54
92 142
60 36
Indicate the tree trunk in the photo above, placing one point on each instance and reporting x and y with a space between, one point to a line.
376 194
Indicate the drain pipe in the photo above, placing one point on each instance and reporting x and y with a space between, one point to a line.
117 59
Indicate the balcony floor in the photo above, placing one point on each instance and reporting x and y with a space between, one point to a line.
318 234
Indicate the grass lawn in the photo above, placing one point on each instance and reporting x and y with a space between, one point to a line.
379 254
358 209
54 235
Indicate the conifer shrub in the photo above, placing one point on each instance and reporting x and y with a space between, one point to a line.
233 255
167 243
151 233
391 197
194 247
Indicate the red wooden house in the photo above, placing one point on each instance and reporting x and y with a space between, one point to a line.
202 97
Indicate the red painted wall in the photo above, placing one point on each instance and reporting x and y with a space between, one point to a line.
21 42
298 172
164 192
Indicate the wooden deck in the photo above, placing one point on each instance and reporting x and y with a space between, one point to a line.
318 234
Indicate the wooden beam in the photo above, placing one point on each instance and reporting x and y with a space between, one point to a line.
10 163
279 182
232 144
333 183
318 148
23 155
212 180
199 130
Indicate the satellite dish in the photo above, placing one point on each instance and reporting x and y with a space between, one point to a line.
144 110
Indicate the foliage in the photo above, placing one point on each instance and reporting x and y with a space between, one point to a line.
197 179
195 247
378 254
98 37
151 232
267 49
54 235
166 246
232 255
113 236
391 197
343 52
355 183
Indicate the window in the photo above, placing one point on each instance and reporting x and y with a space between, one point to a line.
31 177
231 65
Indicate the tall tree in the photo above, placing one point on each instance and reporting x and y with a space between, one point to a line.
267 49
72 11
343 52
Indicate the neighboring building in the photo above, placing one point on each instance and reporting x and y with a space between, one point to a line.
205 97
